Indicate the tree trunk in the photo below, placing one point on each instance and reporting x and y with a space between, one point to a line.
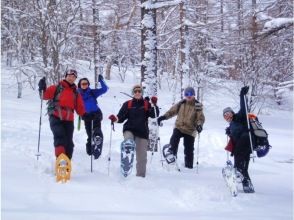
149 50
96 41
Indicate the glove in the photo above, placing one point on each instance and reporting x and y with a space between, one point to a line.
228 131
244 90
159 119
154 100
199 128
112 118
147 98
87 117
42 85
100 77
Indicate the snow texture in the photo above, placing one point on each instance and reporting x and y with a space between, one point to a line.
29 190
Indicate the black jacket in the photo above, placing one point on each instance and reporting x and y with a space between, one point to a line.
137 117
238 125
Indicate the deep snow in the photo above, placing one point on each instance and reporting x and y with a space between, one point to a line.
29 190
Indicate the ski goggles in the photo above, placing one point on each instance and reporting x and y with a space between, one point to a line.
189 94
72 72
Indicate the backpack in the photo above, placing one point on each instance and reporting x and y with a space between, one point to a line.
146 103
53 103
259 136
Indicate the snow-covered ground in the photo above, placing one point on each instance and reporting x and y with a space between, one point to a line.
29 190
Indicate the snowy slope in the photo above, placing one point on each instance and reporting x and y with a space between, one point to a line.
29 190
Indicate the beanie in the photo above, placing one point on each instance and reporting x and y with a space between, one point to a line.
228 109
189 91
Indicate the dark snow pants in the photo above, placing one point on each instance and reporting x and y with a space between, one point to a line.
241 154
96 118
188 146
62 134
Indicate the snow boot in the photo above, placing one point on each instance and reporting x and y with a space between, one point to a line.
247 186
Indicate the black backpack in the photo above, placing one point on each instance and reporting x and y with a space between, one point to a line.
259 136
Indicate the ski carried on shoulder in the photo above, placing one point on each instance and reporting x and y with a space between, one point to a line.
62 168
127 156
169 157
231 177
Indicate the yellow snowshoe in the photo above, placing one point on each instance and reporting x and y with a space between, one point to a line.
62 168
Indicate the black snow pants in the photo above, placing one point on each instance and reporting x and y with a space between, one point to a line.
241 154
62 134
96 118
188 146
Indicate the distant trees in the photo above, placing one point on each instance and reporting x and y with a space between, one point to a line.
183 42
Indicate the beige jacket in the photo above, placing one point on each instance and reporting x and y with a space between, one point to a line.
190 114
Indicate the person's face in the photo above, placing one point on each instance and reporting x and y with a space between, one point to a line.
138 93
228 116
71 78
84 84
189 96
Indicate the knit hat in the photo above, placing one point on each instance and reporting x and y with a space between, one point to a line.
228 109
137 87
189 91
71 71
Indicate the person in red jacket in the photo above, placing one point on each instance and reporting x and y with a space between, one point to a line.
63 100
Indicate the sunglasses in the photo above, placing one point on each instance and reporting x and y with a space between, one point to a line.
137 91
84 84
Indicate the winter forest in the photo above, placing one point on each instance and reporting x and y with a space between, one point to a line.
214 46
180 41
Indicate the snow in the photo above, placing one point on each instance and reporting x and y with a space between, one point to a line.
278 22
29 190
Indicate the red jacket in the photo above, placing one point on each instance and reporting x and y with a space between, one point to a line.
69 100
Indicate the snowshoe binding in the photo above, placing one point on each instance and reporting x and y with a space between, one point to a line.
62 168
127 156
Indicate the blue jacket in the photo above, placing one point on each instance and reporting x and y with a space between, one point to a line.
90 95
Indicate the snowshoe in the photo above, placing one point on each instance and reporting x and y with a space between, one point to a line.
62 168
230 177
168 155
247 186
97 146
127 156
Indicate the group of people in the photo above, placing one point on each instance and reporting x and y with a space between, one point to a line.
67 98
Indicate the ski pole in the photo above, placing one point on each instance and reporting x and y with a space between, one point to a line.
92 144
248 126
109 153
40 123
197 163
